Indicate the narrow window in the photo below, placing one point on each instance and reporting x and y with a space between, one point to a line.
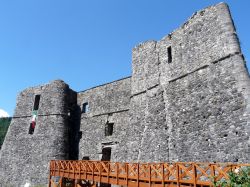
85 107
106 154
32 127
80 135
85 158
169 54
36 103
109 129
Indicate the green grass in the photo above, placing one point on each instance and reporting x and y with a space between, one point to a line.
4 125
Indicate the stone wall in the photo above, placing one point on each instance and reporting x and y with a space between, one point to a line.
206 111
147 135
108 103
190 94
25 157
188 99
207 101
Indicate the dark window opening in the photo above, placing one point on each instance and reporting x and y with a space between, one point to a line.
36 103
169 54
85 158
32 127
80 135
85 107
109 129
106 154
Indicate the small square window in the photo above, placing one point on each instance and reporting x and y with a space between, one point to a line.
85 107
85 158
109 129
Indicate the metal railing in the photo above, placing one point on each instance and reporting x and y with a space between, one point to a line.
140 174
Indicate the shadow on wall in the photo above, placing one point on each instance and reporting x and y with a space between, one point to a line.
74 131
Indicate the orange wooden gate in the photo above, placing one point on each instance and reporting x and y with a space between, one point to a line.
87 173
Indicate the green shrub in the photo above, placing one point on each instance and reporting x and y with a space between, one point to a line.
4 125
239 178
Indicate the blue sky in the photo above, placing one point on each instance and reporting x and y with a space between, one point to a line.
88 42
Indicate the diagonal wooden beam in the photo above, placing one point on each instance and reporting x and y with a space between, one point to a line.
140 174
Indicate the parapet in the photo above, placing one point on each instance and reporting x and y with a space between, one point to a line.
52 101
208 36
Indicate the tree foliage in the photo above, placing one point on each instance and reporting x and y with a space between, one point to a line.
238 178
4 125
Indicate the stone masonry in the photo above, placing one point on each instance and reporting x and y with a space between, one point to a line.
188 99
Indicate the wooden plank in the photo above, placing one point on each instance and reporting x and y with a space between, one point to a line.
138 173
126 174
194 175
53 183
162 172
177 175
49 180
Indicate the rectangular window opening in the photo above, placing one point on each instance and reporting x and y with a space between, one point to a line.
36 103
80 135
32 127
109 129
106 154
169 54
85 158
85 107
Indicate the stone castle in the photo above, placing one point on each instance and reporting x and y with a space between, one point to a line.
188 99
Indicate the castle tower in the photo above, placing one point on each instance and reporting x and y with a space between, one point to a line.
190 94
38 133
187 100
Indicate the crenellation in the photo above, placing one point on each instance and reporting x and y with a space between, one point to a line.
188 99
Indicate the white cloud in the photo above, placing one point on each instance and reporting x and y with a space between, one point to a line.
27 184
3 113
